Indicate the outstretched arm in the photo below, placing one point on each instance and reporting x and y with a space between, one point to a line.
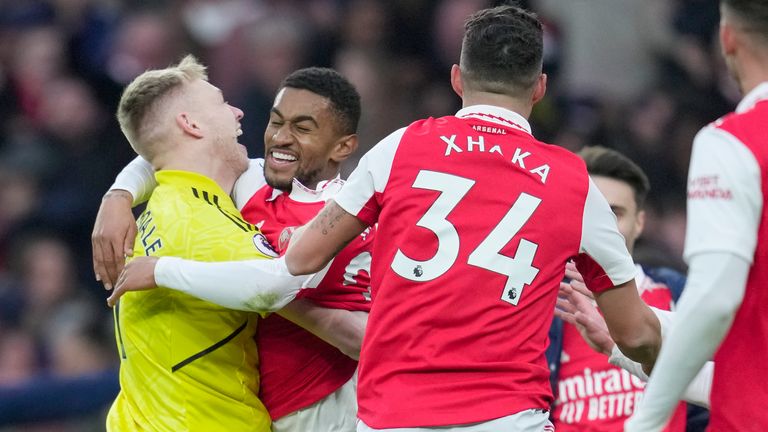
702 321
258 285
575 307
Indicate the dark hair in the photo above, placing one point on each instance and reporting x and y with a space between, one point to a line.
502 50
752 13
345 101
609 163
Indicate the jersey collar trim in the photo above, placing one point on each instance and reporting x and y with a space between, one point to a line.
495 114
753 97
303 194
189 178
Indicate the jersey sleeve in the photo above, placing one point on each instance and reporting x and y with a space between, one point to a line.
360 194
249 182
138 178
724 196
603 261
258 285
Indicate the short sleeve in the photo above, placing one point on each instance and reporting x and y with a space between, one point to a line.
361 193
724 196
603 261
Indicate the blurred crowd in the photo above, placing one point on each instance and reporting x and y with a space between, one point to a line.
638 76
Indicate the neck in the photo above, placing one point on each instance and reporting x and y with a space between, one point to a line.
212 168
518 105
752 68
330 172
752 76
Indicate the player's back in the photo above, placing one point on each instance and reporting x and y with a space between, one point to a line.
186 364
738 393
477 219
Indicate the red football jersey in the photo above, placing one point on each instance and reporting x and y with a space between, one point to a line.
297 368
595 396
476 222
739 395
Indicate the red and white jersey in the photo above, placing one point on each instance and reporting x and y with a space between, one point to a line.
297 368
476 222
595 396
727 184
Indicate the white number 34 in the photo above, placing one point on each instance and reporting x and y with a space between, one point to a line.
518 269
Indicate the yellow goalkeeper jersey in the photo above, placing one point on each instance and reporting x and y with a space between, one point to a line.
187 364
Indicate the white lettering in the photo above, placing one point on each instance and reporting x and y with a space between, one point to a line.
519 157
472 143
613 384
451 145
496 149
542 171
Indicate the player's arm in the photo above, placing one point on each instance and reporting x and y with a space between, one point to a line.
575 306
316 243
719 255
609 272
114 230
259 285
352 210
341 328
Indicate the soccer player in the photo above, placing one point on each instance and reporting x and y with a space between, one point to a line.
591 393
476 222
723 308
307 384
188 365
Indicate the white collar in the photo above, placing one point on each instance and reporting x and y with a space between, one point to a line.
301 193
754 96
496 114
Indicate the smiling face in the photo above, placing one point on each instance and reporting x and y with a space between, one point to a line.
300 139
220 122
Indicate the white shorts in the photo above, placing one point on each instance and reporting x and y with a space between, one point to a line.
337 412
532 420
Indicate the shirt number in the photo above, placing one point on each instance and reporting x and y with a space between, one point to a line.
518 269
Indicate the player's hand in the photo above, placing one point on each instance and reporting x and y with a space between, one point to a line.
113 234
138 275
578 309
577 280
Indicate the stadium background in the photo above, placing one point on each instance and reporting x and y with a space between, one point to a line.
638 76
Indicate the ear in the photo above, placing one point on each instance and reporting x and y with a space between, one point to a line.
458 87
728 38
539 89
344 148
640 223
188 126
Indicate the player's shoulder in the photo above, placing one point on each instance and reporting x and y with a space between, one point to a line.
748 121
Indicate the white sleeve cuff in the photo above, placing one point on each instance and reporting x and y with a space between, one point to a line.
138 178
618 359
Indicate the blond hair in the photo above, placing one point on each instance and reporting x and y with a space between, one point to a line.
140 100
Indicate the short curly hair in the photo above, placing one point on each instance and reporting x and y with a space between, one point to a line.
345 101
502 50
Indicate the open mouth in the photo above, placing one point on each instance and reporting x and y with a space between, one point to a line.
283 158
